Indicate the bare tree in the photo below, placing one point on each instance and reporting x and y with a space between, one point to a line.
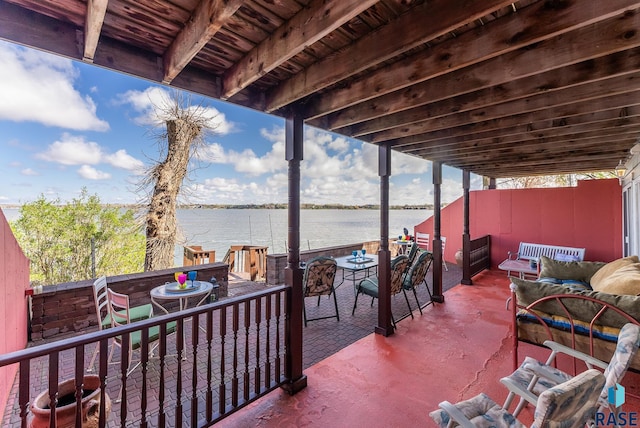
183 134
563 180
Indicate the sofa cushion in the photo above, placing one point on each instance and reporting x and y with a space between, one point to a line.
579 271
608 269
528 292
625 280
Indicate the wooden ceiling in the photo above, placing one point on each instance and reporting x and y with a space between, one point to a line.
494 87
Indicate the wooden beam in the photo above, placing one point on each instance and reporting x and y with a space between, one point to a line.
96 10
204 23
500 37
425 23
605 120
616 65
571 95
564 112
313 22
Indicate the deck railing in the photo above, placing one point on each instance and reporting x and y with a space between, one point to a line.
251 259
221 357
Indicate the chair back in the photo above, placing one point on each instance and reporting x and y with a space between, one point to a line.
422 239
444 243
626 349
101 300
398 268
413 252
118 308
319 275
570 404
418 270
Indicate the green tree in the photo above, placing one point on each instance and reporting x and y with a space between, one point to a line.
57 239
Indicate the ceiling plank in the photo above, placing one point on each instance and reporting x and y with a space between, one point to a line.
563 112
205 21
607 67
425 22
497 38
96 10
607 120
568 96
307 27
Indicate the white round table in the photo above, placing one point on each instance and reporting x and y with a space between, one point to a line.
170 292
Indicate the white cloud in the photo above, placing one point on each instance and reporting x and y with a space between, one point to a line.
145 104
29 172
90 173
75 150
72 150
121 159
39 87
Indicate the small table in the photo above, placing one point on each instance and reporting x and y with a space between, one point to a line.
171 291
403 246
356 265
523 267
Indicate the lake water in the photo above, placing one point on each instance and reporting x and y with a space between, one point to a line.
218 229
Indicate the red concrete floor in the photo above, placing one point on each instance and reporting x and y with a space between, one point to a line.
452 352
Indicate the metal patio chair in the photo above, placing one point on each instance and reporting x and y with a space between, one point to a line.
318 279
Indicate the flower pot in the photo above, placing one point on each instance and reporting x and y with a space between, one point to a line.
66 409
459 258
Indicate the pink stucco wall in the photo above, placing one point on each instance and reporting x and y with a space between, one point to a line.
14 280
589 216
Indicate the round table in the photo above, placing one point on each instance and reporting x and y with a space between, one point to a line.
169 291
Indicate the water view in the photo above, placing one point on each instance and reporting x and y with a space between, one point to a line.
218 229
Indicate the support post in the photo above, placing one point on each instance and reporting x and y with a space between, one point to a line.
294 134
466 238
384 327
437 242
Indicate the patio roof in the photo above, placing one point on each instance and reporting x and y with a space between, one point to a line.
497 88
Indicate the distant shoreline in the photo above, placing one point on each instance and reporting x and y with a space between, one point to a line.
268 206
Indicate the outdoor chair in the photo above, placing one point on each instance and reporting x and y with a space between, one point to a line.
534 377
369 286
569 405
422 239
444 242
318 279
417 275
100 298
121 315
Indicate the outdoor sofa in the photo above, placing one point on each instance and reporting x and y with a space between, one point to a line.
579 304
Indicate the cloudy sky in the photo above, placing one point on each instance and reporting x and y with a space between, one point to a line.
65 125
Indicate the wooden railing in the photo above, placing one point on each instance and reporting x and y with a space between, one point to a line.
480 254
251 259
195 255
479 257
222 356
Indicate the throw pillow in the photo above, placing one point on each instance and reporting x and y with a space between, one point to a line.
625 280
608 269
580 271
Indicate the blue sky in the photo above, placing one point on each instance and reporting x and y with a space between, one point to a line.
65 125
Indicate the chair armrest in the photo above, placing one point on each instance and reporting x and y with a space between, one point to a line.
456 415
510 255
518 390
588 359
545 372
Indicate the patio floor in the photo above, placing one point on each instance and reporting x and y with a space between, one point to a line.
356 378
452 352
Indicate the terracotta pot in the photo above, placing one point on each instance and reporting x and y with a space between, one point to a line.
66 413
458 257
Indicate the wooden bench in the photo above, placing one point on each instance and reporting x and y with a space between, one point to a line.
526 260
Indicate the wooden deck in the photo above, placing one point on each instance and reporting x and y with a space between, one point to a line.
453 352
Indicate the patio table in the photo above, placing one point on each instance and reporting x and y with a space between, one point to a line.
355 267
171 291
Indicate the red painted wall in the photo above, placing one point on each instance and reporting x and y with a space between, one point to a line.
14 280
589 216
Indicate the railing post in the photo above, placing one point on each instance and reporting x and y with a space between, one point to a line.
466 237
296 380
384 327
